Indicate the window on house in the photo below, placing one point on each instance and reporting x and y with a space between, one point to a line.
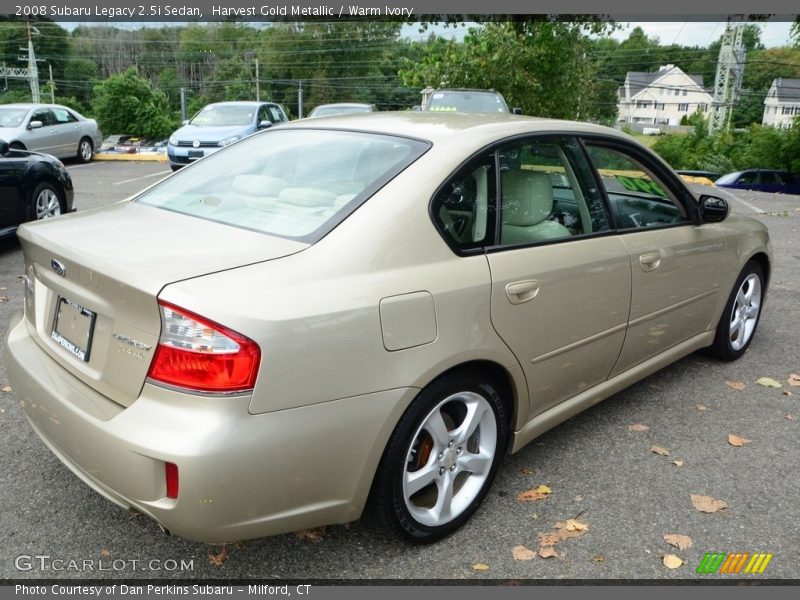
683 108
685 92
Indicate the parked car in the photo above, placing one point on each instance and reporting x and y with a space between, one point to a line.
49 128
33 187
366 311
761 180
342 108
218 125
475 101
712 175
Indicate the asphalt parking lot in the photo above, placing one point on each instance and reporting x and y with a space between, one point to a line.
599 467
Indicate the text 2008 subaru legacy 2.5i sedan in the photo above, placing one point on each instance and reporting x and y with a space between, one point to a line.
367 311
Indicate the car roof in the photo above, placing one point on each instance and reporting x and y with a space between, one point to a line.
33 105
344 104
241 103
480 128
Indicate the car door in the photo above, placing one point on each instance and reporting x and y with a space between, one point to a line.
11 168
560 283
41 139
67 132
675 260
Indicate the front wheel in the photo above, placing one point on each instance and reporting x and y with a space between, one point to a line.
739 320
85 150
45 202
441 459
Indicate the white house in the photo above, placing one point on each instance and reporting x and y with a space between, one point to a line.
663 97
782 103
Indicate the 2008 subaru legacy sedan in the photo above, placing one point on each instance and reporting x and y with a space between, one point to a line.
366 312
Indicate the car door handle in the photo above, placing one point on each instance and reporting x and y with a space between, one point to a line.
650 261
522 291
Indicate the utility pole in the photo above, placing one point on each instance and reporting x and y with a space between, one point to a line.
300 100
31 73
258 83
52 85
730 67
183 105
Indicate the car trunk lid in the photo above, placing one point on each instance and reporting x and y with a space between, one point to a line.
92 284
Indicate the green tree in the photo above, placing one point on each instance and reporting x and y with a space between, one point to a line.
126 103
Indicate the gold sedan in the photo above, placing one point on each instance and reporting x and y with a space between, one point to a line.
366 311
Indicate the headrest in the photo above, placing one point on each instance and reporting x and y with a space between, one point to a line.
258 185
308 197
527 198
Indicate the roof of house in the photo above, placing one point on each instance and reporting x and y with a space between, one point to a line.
639 80
788 90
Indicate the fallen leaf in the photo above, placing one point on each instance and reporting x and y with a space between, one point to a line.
787 393
677 463
737 385
480 567
707 504
575 525
735 440
526 471
3 299
794 380
548 552
672 562
314 535
659 450
701 407
539 493
6 388
681 542
790 417
105 552
570 528
599 558
522 553
768 382
549 539
578 498
638 427
218 560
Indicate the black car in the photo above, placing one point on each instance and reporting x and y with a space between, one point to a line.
33 186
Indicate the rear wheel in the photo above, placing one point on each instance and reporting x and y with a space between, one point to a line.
45 202
85 150
742 312
441 459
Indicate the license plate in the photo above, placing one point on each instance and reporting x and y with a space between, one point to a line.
72 328
196 153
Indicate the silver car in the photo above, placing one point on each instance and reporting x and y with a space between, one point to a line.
366 311
49 128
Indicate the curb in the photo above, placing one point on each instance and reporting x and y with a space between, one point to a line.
131 157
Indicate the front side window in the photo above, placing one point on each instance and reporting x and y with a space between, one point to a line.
294 183
637 196
44 116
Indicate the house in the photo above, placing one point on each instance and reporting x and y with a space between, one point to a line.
782 103
662 97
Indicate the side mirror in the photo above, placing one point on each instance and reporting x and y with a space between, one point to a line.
516 110
3 147
713 209
35 125
185 122
264 124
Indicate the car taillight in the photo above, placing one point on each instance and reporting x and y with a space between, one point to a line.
171 478
197 354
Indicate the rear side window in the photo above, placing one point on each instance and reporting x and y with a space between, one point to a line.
294 183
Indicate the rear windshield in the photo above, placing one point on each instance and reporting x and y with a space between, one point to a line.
327 111
479 102
293 183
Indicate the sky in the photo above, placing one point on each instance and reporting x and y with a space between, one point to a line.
687 33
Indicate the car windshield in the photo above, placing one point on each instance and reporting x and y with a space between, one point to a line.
12 117
224 115
296 183
327 111
477 102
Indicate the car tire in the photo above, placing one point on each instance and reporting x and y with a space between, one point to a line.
175 167
85 150
45 202
16 146
739 320
441 459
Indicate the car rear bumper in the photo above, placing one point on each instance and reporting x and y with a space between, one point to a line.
240 475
